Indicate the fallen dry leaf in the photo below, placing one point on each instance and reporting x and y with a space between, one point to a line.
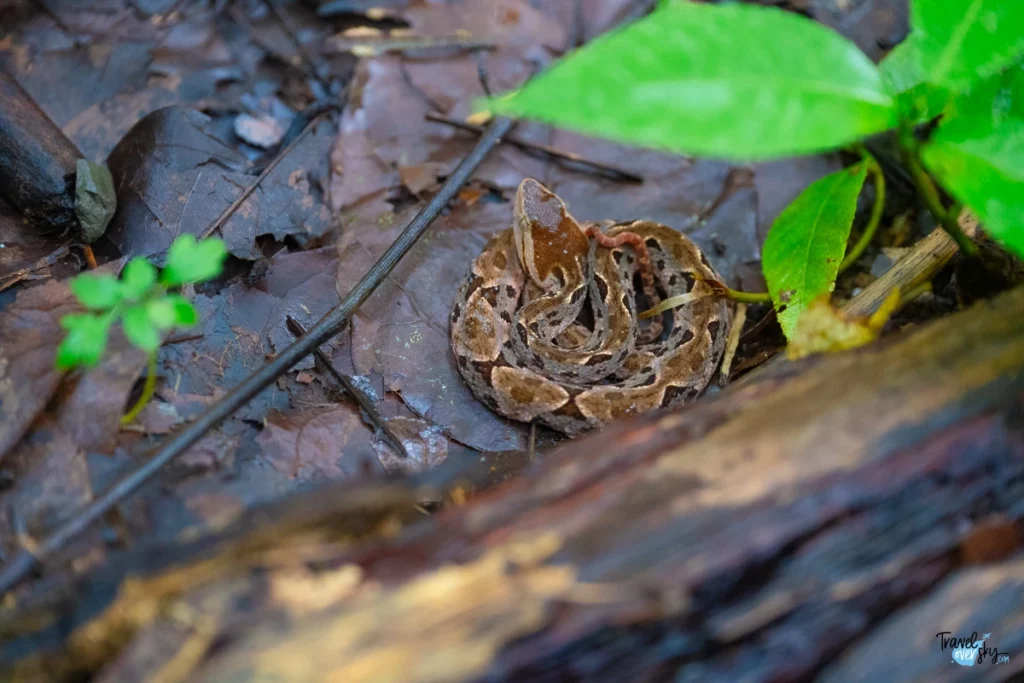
29 334
823 328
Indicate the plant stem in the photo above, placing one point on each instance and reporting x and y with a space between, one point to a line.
930 194
147 391
746 297
876 211
855 251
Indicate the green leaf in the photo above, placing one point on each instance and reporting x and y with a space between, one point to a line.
185 314
172 310
191 261
956 43
97 292
85 341
139 330
806 243
137 278
735 81
917 100
977 154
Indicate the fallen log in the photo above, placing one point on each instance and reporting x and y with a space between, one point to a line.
782 530
43 174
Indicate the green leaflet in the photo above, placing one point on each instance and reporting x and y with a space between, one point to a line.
956 43
137 278
806 243
977 154
733 81
141 332
192 261
96 292
85 341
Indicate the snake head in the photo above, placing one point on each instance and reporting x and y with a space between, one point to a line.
551 244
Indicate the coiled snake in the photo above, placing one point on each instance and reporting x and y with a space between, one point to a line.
545 327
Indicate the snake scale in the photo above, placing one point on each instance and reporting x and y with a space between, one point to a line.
545 326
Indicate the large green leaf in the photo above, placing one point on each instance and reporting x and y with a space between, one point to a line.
977 154
807 241
956 43
734 81
904 75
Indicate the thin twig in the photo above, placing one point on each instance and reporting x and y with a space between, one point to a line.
19 567
532 452
300 48
371 45
481 73
90 257
577 35
364 401
732 343
526 145
262 176
922 263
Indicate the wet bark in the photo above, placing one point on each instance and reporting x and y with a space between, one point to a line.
821 520
37 162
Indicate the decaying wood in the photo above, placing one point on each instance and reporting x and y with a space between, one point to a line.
782 530
37 162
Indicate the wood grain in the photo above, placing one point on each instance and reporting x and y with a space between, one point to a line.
783 530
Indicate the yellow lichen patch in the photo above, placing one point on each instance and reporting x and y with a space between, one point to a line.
447 625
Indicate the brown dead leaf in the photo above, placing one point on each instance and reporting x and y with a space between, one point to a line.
321 443
29 334
27 255
425 444
173 176
49 464
401 332
242 325
383 129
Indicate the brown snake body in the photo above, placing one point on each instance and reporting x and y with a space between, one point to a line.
530 349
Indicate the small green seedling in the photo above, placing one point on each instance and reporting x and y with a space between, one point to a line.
142 300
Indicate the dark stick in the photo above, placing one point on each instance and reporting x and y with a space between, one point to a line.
286 26
37 162
616 173
364 401
330 324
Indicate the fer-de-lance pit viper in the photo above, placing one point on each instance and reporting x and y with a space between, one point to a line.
525 350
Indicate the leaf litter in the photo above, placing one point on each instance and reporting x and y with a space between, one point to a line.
161 93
